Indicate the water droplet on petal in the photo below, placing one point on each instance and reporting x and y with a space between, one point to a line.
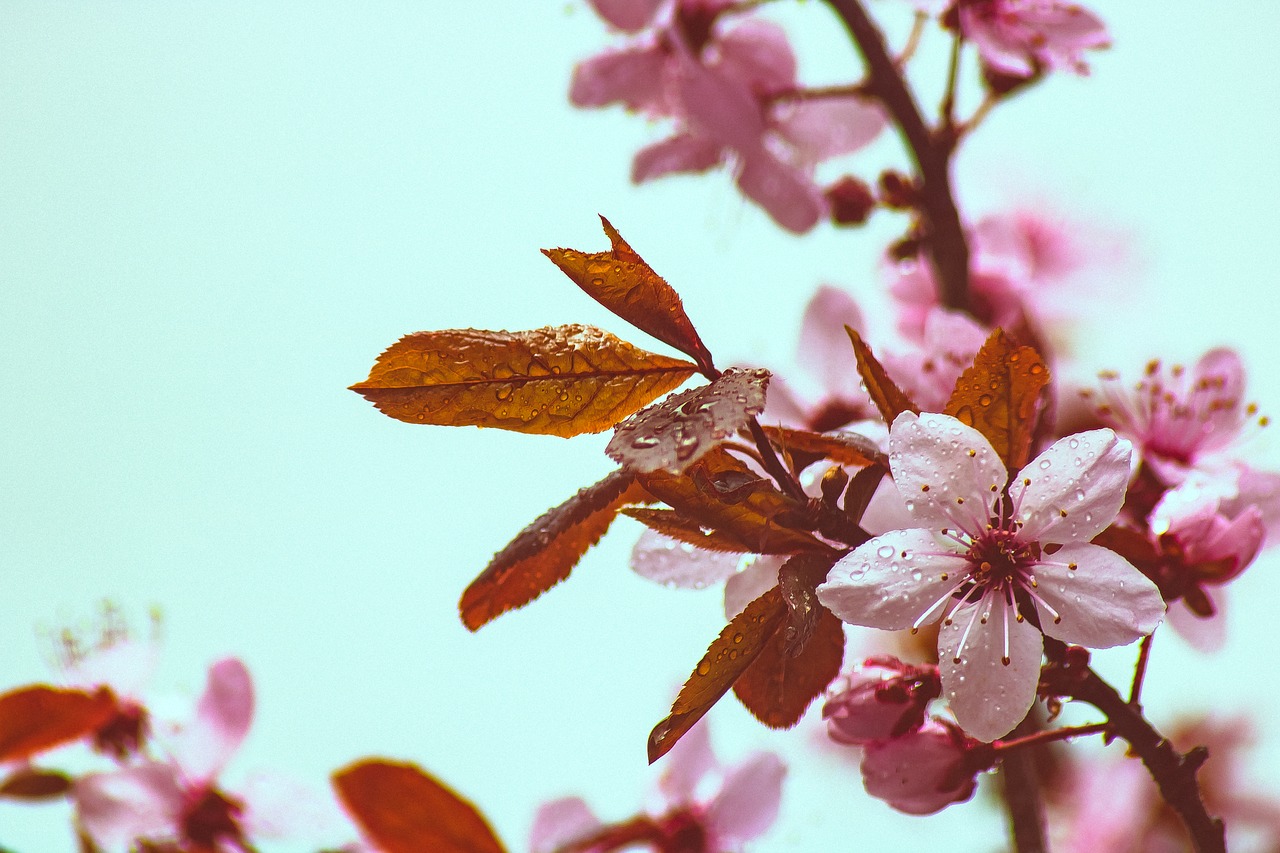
884 552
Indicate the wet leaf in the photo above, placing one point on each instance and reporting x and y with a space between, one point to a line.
557 380
721 493
728 657
668 522
890 400
546 551
780 685
862 488
33 783
843 448
401 809
34 719
999 397
621 281
675 433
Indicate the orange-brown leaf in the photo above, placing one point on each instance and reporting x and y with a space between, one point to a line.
621 281
673 434
884 392
843 448
728 657
668 522
779 686
34 719
33 783
557 380
721 493
999 397
401 809
546 551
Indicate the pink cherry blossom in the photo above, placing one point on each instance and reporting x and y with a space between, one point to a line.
1023 37
880 699
928 371
994 553
923 771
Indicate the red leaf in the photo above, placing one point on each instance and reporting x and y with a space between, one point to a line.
999 396
621 281
32 783
546 551
888 397
401 809
675 433
844 448
34 719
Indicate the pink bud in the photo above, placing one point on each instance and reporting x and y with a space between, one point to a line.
883 698
923 771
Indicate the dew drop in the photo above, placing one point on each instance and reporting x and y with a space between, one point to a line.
737 638
1080 494
703 668
1073 443
985 400
916 575
884 552
1045 464
644 442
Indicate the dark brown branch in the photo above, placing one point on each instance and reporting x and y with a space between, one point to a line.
948 249
1020 790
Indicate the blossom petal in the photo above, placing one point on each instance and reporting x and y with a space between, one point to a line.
747 804
822 129
988 696
919 773
632 77
757 52
760 576
627 15
223 715
785 192
824 344
141 802
875 585
680 153
948 473
1103 602
1076 489
560 822
718 107
1204 635
688 763
663 560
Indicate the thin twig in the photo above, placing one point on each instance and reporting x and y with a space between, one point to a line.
769 459
1049 736
913 40
1140 669
947 110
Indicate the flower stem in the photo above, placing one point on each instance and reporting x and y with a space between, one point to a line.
1049 736
1140 670
948 248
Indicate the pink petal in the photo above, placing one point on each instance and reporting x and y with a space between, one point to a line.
632 77
876 586
822 129
919 773
560 822
748 802
1077 487
757 53
1204 635
1103 602
886 511
760 576
681 153
140 802
786 193
718 107
664 560
824 345
688 763
627 15
783 405
942 484
1240 539
203 747
280 807
988 696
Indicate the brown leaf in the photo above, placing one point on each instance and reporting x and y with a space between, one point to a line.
557 380
546 551
33 783
721 493
675 433
668 522
888 397
728 657
999 397
401 809
843 448
778 687
34 719
621 281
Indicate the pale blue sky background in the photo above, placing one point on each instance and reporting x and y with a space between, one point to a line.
213 217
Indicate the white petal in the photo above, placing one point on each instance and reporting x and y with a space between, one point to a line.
664 560
688 763
760 576
875 585
988 696
1084 476
747 804
141 802
1104 601
947 472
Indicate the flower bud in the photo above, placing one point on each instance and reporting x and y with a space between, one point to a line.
924 771
881 699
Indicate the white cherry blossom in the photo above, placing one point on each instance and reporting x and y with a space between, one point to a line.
991 552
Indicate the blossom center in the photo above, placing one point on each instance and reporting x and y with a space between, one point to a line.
998 558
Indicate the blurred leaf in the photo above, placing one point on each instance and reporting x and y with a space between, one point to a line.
721 493
34 719
32 783
728 657
675 433
557 380
890 400
671 523
401 809
999 397
843 448
799 661
621 281
546 551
